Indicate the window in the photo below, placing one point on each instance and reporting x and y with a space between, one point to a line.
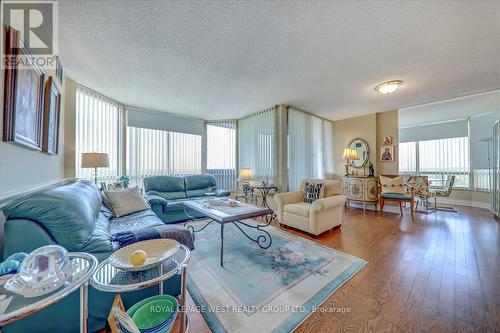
437 159
155 152
257 145
98 130
310 148
221 153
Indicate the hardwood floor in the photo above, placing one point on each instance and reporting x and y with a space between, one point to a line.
439 274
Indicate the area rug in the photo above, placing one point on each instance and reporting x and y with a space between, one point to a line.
263 290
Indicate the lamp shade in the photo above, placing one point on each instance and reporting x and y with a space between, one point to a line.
350 154
245 175
95 160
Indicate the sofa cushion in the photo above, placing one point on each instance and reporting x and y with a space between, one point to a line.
137 221
68 212
197 182
196 193
167 187
101 240
126 202
301 209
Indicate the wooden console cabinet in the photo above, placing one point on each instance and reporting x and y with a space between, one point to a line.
361 189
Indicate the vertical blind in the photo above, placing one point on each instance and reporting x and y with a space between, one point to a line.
437 159
98 128
257 144
310 148
155 152
221 152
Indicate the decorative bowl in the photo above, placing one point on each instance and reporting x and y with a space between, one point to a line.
157 251
17 284
155 314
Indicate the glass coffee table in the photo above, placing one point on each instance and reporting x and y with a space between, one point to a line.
15 307
224 214
110 279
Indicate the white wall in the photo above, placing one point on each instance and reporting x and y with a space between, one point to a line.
22 169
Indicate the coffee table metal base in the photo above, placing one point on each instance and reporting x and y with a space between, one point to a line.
264 240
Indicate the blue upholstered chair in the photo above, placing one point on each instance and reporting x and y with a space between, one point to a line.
393 188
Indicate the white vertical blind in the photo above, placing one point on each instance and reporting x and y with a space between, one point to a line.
98 130
155 152
257 144
437 159
407 157
221 152
310 148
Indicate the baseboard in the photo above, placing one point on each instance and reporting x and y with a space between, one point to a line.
392 207
469 203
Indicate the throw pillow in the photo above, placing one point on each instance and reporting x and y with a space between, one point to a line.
313 192
125 202
392 185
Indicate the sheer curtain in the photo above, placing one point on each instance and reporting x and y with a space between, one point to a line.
257 144
155 152
310 148
98 130
221 152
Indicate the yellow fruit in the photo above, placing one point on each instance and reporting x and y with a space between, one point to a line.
138 257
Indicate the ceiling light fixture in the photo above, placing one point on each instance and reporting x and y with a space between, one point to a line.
388 87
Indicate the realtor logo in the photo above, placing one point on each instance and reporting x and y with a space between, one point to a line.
36 22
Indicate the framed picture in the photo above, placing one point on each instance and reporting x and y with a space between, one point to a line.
387 153
51 116
388 140
23 99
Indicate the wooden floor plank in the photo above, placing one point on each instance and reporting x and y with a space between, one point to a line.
439 274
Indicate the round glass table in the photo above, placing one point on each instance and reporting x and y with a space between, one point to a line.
14 307
110 279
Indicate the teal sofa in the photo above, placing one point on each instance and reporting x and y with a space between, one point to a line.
166 194
73 216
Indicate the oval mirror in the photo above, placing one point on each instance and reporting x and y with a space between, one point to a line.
363 151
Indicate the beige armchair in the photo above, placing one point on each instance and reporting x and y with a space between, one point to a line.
322 215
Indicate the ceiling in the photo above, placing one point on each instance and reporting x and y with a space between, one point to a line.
226 59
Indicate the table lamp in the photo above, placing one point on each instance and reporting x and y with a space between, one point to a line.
350 155
95 160
245 175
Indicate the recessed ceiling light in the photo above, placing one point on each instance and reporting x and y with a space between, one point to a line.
388 87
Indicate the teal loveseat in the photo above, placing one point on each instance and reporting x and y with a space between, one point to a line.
166 194
73 216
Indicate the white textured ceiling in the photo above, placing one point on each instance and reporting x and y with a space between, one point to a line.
226 59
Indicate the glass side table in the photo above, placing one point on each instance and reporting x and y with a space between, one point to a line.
20 307
110 279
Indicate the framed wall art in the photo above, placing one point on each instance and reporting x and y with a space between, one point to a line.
23 110
387 153
51 116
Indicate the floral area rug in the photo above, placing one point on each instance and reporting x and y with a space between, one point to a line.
263 290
